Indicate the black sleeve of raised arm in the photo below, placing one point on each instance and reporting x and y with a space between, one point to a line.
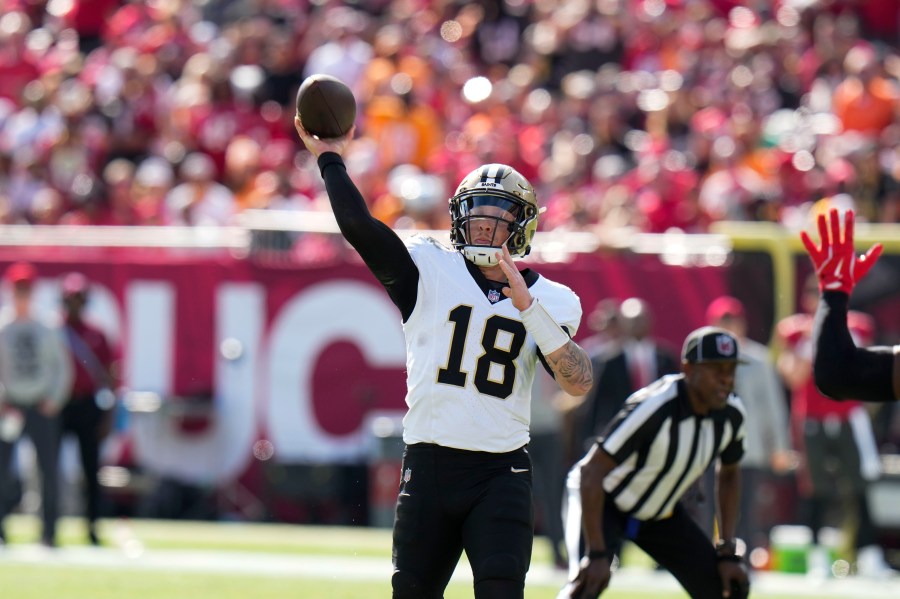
377 244
842 370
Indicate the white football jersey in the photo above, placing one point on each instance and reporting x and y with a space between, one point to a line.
470 363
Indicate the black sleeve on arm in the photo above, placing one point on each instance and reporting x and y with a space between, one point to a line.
377 244
842 370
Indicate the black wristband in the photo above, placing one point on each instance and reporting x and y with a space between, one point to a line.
726 548
726 551
598 554
729 558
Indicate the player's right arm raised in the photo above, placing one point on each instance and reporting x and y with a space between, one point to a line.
377 244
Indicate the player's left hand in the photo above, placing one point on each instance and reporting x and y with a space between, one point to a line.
517 290
837 265
735 583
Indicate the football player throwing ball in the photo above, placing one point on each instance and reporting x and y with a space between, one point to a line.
476 327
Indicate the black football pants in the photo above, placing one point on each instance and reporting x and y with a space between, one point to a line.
677 544
452 501
84 419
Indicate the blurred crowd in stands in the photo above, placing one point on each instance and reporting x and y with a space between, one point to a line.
651 114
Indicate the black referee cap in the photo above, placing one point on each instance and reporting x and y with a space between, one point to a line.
710 344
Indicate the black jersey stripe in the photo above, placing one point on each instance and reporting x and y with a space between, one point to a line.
643 454
655 421
671 454
688 465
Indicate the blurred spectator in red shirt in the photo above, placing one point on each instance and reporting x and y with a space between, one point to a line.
88 18
17 65
88 412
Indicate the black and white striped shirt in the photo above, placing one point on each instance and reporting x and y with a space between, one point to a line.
661 446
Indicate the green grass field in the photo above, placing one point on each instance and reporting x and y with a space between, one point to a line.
45 578
146 559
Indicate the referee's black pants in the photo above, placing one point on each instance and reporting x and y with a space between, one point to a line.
677 543
452 501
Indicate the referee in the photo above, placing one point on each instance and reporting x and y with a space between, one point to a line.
629 484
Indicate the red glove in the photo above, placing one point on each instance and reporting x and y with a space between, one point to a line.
837 265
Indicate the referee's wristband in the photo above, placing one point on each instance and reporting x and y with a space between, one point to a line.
726 551
598 554
547 333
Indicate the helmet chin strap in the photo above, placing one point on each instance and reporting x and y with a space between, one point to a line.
480 255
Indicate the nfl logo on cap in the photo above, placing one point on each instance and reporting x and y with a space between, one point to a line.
710 344
725 345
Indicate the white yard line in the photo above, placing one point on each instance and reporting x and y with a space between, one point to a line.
366 568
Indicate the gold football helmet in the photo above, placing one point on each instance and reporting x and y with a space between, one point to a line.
492 198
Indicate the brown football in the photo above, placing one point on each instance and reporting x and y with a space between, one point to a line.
326 106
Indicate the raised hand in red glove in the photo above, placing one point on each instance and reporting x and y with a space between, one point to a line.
837 265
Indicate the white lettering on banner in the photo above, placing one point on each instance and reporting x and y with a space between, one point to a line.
323 314
149 351
269 383
150 343
222 450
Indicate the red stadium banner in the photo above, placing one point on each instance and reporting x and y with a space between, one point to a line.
298 357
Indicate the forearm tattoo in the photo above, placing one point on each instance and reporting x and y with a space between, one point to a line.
572 365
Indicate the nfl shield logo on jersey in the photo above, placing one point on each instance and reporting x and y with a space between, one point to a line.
407 475
493 296
725 345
